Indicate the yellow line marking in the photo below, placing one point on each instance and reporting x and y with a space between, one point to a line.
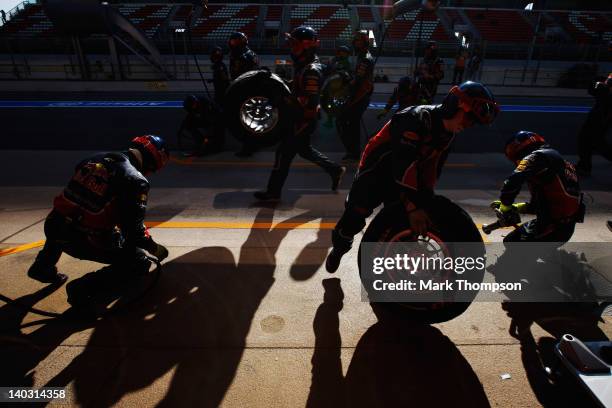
21 248
192 162
214 225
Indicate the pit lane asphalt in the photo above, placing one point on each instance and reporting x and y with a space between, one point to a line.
69 128
244 314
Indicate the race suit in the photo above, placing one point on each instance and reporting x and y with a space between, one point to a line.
402 162
241 61
593 132
431 72
304 102
220 81
99 216
555 197
404 94
349 120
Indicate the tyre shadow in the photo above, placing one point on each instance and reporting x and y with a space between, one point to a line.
394 364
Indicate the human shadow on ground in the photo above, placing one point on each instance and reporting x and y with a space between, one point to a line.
395 364
20 353
188 335
551 274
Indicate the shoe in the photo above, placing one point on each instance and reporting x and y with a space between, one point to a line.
266 196
609 224
332 263
337 178
46 275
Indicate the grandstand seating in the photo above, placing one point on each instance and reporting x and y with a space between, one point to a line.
501 25
274 13
408 26
585 27
182 13
31 22
147 17
365 14
332 22
219 21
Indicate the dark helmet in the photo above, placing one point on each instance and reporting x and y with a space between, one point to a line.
343 49
521 144
216 54
237 40
303 41
475 99
154 152
609 80
431 51
361 40
404 82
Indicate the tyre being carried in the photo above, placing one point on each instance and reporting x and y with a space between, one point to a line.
255 110
453 235
335 92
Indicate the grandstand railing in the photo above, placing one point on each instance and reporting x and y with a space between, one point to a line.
18 9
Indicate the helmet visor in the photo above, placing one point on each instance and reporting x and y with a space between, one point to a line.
484 110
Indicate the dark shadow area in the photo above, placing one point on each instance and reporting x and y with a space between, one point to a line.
20 353
549 274
245 199
395 364
192 326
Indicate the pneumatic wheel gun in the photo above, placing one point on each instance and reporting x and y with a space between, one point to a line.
511 219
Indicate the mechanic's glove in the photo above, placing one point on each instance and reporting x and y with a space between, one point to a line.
522 208
160 252
382 114
519 207
419 221
509 214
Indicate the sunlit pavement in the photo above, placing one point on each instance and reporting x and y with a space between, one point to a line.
238 317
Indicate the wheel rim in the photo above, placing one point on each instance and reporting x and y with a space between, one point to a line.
258 115
435 245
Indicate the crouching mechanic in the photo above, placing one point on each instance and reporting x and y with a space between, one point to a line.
555 193
404 160
100 215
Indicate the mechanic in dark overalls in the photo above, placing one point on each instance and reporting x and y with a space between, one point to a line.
304 102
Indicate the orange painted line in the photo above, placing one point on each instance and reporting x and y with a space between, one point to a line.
240 225
212 225
21 248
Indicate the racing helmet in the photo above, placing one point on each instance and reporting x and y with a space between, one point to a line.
237 40
154 152
475 99
216 54
303 41
361 40
405 82
343 51
521 144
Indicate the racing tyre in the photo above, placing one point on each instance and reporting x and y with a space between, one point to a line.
451 225
335 93
256 112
